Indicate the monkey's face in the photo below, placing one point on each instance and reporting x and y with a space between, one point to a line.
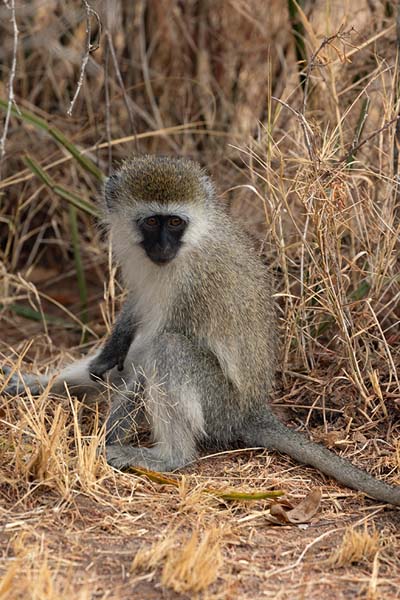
162 236
162 205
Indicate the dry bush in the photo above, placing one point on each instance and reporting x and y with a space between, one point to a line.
306 156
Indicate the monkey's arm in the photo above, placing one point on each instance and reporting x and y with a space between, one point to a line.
116 348
75 376
82 376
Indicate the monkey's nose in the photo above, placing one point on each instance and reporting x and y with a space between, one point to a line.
165 250
162 254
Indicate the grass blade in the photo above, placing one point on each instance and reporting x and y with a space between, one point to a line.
71 197
74 203
80 273
39 123
298 32
30 313
358 132
84 161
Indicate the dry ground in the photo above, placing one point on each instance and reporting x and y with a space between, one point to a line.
303 142
74 528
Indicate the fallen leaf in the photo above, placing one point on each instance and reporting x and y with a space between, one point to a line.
302 513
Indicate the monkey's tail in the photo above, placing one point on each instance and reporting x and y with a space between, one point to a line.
274 435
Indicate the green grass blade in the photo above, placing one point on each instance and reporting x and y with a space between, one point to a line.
76 200
84 161
358 131
37 170
28 117
61 191
25 115
238 496
30 313
298 33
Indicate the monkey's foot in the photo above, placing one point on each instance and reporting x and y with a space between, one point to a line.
123 457
17 385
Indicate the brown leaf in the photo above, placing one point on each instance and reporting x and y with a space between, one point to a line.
302 513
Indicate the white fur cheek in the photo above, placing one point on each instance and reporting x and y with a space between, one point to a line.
197 231
125 238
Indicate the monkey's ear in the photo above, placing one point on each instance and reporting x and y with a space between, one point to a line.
111 190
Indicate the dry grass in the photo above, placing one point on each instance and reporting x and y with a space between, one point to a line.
356 546
190 568
311 170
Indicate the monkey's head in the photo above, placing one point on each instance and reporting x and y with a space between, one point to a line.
159 203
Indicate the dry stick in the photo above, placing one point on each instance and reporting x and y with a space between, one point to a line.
311 65
296 563
11 6
354 149
307 356
309 141
396 141
89 11
308 132
122 86
145 67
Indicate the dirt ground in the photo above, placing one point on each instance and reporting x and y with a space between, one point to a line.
73 527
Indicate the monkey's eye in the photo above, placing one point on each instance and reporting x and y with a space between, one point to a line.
151 222
175 222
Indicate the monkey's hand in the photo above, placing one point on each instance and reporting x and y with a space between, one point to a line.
116 348
103 363
112 355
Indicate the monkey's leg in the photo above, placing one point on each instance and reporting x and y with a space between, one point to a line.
173 405
126 412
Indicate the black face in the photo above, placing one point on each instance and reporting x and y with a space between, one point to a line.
162 236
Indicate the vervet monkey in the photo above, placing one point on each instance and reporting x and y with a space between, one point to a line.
197 336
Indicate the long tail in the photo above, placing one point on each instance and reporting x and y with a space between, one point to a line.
274 435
